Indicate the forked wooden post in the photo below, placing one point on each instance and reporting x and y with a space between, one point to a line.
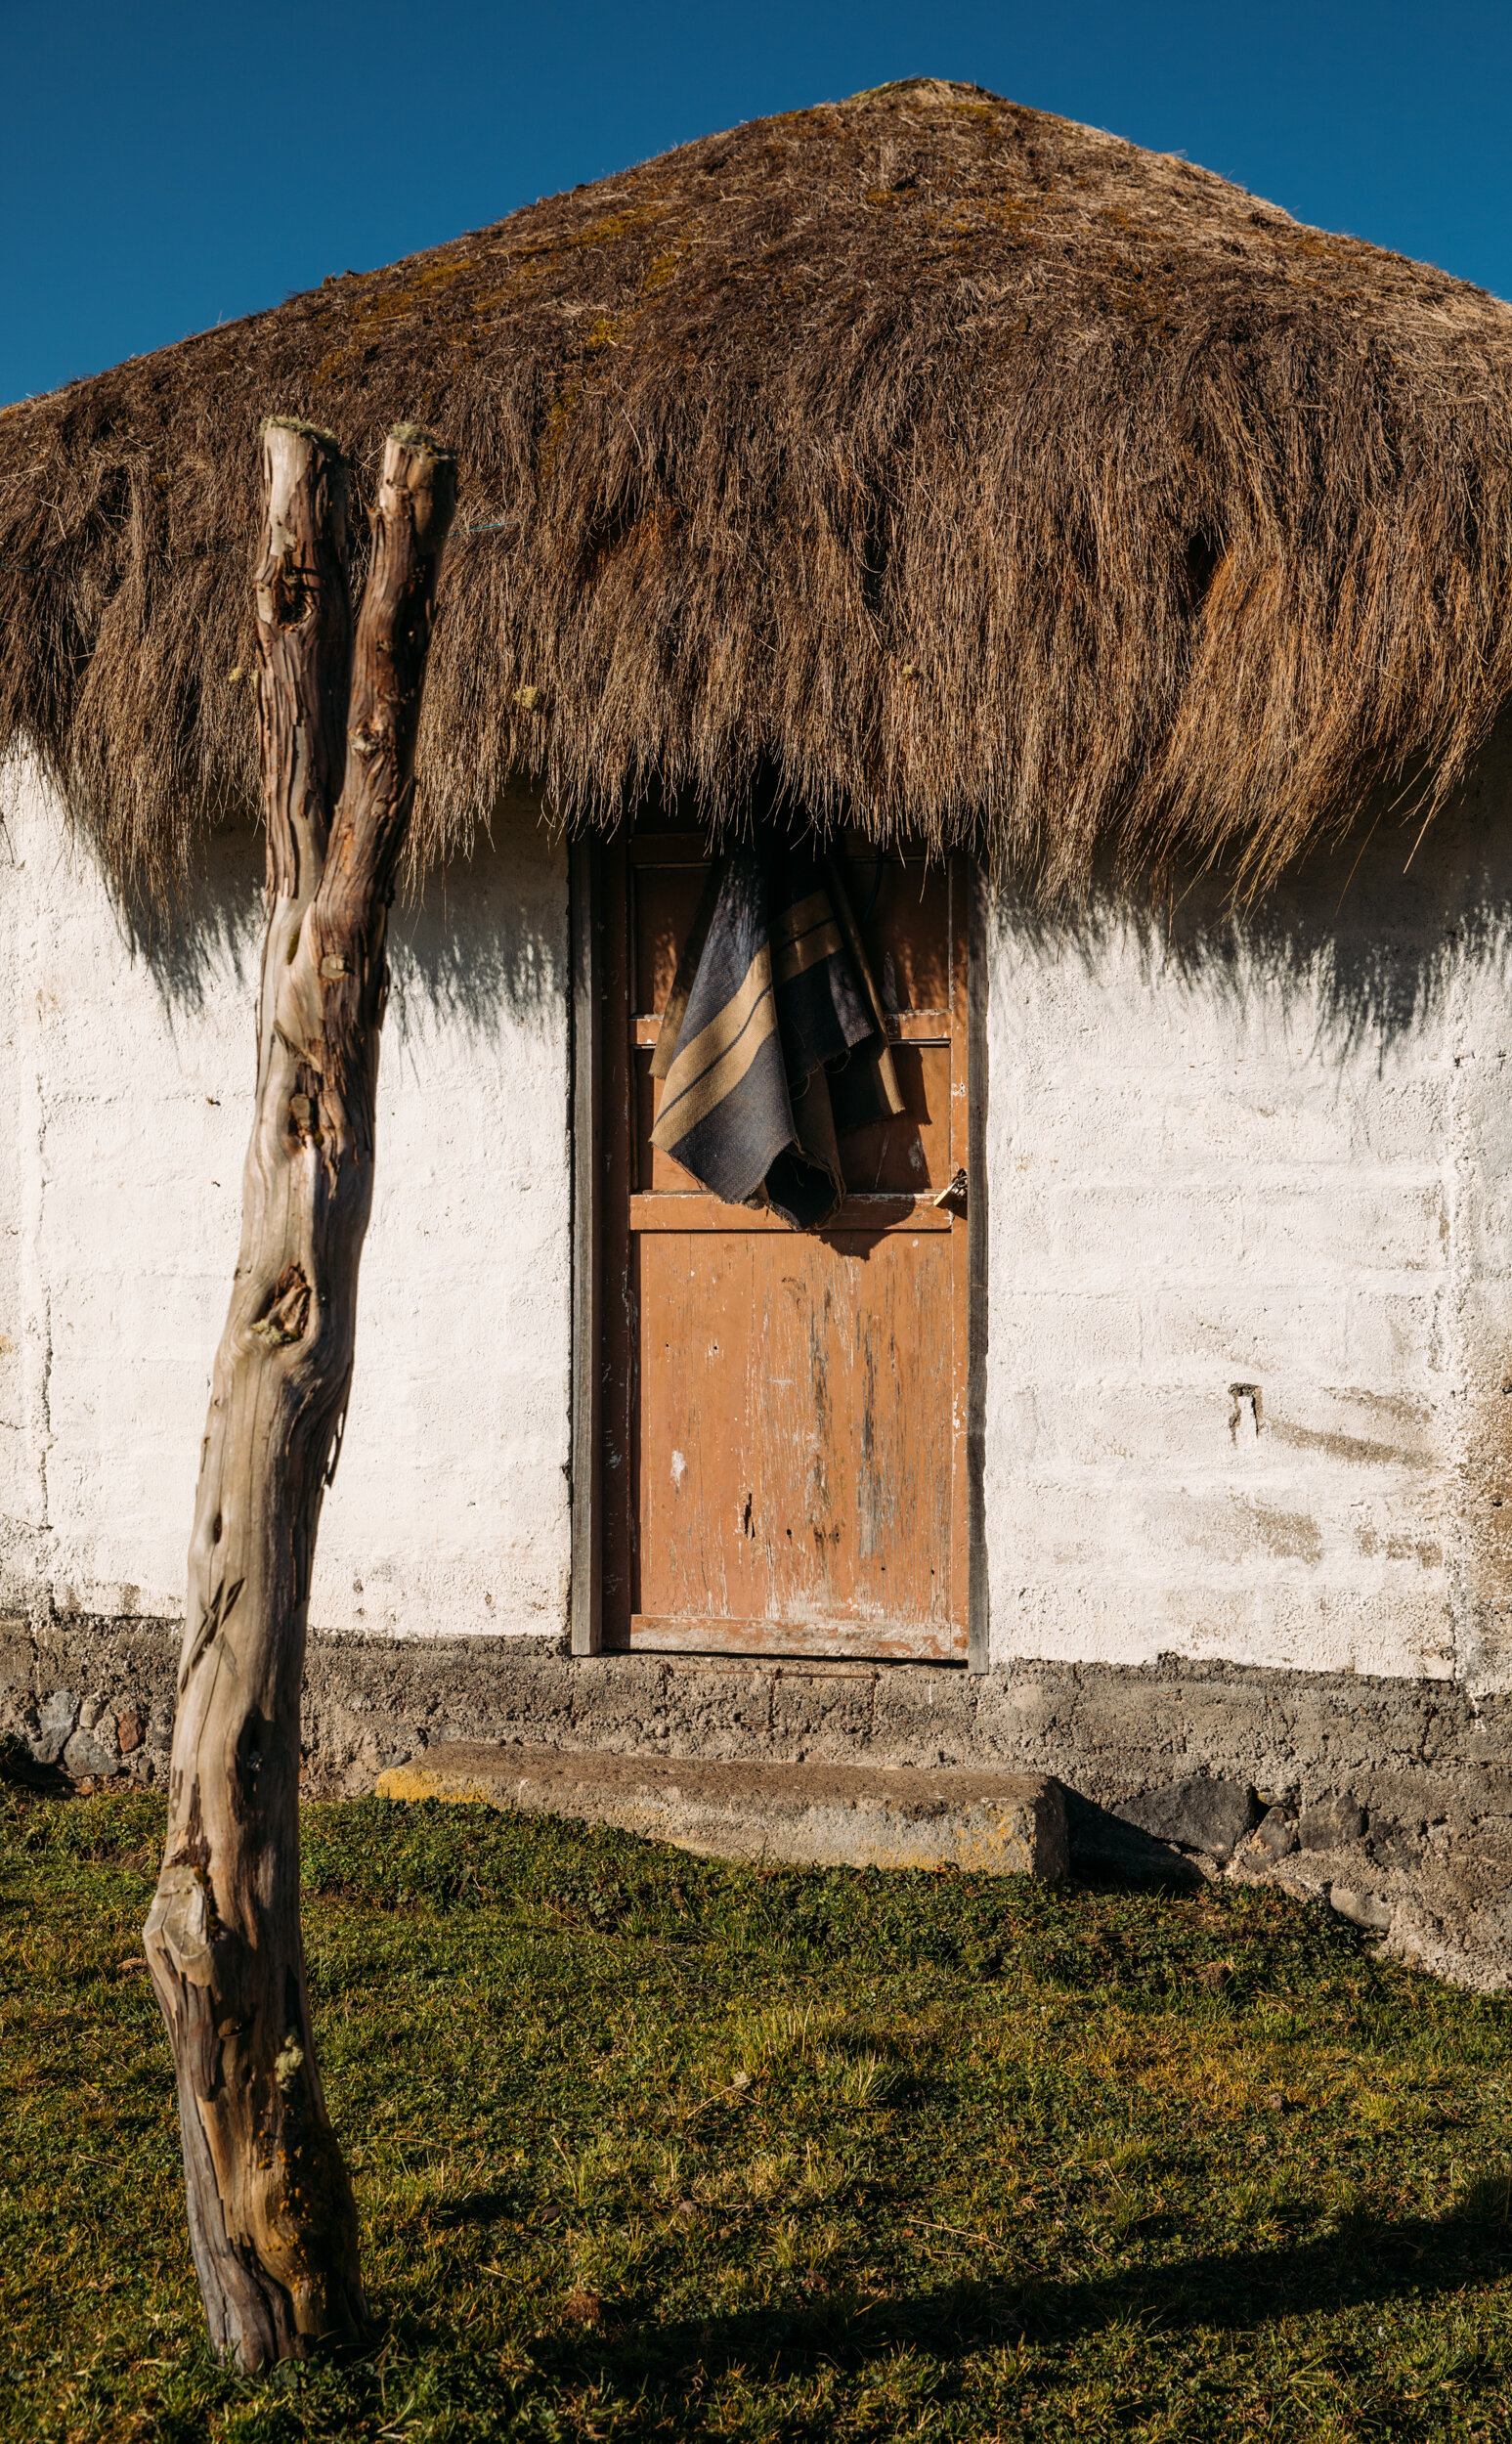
272 2223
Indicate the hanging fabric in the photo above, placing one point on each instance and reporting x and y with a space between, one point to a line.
773 1005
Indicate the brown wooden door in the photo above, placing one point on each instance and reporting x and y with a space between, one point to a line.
784 1412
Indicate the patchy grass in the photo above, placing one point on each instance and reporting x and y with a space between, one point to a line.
650 2147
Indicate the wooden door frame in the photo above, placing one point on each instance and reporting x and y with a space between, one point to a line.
589 1135
586 921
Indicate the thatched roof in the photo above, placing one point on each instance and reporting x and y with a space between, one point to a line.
923 457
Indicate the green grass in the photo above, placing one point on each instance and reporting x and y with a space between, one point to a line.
650 2147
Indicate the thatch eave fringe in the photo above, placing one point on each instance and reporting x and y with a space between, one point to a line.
919 460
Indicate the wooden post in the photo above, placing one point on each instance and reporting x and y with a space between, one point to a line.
272 2223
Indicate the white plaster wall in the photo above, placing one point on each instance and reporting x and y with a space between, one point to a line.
1273 1153
1276 1153
129 1074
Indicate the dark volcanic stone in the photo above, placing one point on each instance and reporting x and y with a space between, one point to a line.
57 1717
1399 1846
1332 1823
1210 1817
1276 1835
90 1753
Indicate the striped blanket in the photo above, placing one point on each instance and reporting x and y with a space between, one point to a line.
773 1005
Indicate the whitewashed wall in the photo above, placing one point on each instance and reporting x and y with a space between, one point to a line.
129 1077
1276 1155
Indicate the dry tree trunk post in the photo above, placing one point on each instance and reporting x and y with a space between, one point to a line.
272 2223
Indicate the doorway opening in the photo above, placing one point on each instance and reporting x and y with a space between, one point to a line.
777 1446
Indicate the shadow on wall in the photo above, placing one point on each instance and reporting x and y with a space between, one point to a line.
1363 943
484 939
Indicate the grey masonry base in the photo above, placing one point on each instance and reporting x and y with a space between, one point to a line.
1402 1790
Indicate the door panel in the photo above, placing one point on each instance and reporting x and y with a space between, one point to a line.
909 931
913 1152
785 1439
796 1400
666 899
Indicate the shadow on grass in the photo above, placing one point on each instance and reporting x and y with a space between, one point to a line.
1362 2263
499 2204
19 1770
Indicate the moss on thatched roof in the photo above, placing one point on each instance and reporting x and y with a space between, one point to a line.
920 458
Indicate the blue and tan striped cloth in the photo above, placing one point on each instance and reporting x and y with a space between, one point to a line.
772 993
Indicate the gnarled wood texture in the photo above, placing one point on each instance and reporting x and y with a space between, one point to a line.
272 2223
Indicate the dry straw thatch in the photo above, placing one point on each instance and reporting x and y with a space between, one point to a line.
920 458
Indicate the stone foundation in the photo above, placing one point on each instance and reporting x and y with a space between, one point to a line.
1390 1797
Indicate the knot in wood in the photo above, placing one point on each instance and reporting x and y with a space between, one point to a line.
333 965
283 598
291 2056
182 1922
288 1312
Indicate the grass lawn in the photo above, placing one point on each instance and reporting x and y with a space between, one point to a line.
650 2147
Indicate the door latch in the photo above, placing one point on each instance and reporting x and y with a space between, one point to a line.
953 1197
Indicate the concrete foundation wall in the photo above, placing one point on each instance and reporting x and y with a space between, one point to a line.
1417 1775
127 1071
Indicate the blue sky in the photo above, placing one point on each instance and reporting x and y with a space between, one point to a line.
166 167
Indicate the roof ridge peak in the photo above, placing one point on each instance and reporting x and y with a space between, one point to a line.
927 88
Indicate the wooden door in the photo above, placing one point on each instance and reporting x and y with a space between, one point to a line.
783 1421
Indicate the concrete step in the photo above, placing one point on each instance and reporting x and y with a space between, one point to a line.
814 1814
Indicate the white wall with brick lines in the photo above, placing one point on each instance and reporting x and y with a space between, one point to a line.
1274 1153
127 1081
1277 1153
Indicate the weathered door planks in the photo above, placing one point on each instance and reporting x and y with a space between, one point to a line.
783 1414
